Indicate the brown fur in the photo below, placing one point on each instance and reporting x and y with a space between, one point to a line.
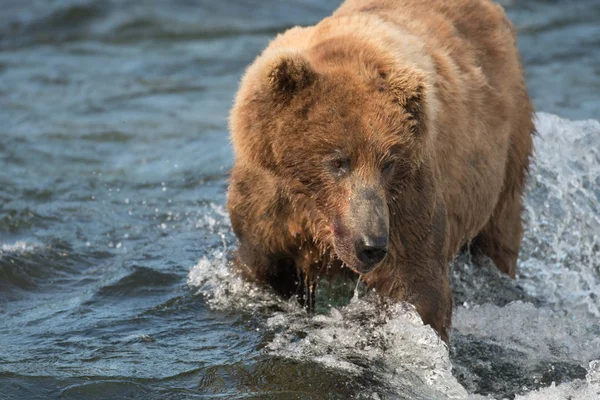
434 88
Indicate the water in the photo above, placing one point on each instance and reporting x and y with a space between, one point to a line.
114 241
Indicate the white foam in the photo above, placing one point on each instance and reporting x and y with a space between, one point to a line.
19 247
576 390
540 334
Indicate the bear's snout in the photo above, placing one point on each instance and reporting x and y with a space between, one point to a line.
370 251
364 241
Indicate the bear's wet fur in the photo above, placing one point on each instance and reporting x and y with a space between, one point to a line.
380 141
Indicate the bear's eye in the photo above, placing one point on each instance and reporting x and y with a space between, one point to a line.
340 166
387 167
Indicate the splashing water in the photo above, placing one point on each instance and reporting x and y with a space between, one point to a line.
388 343
223 288
560 260
391 344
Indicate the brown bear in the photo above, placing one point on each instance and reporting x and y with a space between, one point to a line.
380 141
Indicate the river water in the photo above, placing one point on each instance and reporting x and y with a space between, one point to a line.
114 240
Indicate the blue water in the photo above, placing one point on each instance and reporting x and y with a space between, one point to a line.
114 156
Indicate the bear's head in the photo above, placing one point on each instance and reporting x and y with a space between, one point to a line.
343 133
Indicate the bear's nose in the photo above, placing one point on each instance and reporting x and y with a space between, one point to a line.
372 249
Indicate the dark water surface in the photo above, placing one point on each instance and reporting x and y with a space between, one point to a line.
114 283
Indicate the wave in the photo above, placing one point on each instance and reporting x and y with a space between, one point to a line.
32 268
126 21
21 267
139 282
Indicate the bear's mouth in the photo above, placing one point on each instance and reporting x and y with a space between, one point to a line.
344 250
363 269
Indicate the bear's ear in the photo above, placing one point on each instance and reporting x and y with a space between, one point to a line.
409 91
289 73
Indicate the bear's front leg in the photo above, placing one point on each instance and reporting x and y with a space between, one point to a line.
288 276
427 287
278 272
258 217
433 301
